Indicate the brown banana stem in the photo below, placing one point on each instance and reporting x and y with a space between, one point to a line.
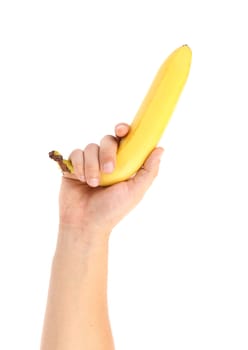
59 159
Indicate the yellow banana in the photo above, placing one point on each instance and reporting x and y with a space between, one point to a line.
150 120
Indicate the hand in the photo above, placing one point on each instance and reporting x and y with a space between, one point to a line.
84 204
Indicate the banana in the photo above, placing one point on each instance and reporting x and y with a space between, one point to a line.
150 120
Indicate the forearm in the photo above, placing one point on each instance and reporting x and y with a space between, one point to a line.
77 312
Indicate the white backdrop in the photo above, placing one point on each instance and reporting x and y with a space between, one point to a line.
70 71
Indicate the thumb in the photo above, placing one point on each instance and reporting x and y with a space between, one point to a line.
145 175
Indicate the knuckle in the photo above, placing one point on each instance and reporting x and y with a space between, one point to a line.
91 146
107 152
108 139
108 148
74 152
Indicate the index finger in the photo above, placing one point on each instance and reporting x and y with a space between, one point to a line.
122 129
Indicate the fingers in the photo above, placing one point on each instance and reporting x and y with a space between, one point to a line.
122 129
77 160
109 146
107 153
86 164
145 176
94 159
91 164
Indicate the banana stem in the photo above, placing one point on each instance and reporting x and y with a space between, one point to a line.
55 155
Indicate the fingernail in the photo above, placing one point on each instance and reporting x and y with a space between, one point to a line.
82 178
120 128
108 167
94 182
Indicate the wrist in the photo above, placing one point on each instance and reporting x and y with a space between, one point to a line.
75 239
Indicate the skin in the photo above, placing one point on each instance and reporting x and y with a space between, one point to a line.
76 314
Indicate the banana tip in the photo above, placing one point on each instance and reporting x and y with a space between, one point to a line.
186 46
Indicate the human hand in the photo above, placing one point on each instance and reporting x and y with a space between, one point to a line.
83 205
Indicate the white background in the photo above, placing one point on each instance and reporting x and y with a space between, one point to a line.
70 71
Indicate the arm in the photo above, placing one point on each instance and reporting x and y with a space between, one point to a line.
77 313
